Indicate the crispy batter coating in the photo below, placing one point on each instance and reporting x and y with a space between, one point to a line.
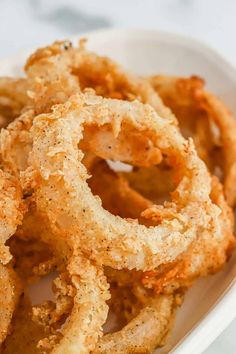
144 333
205 256
89 292
11 211
73 322
13 99
70 66
49 75
10 289
204 117
16 142
56 160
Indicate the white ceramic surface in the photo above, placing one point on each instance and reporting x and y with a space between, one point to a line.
210 305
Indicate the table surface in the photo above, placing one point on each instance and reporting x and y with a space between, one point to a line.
28 23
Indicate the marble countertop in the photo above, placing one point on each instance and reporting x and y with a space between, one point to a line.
29 23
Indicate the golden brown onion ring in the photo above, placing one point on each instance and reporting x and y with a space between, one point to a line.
89 291
205 256
81 293
159 308
59 174
73 322
156 312
61 67
144 333
204 117
226 123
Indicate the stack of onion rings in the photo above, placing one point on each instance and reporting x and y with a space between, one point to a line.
146 234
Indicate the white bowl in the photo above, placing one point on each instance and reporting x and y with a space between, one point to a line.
210 305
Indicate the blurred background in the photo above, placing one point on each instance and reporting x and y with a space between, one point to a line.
29 23
26 23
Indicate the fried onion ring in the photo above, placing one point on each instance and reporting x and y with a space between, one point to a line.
81 293
89 291
205 256
73 322
55 157
72 68
197 111
144 333
162 310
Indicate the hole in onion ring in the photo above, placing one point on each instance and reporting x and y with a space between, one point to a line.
119 166
41 291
